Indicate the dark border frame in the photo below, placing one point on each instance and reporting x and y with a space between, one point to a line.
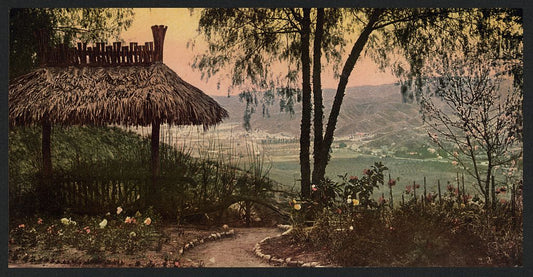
525 270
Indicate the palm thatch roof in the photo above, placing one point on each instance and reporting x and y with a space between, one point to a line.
127 95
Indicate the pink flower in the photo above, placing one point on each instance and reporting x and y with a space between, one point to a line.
86 228
39 221
313 187
22 226
353 178
128 220
366 171
147 221
408 189
392 182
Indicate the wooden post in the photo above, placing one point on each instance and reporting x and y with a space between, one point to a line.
463 183
158 31
458 189
414 191
390 191
425 194
155 154
440 197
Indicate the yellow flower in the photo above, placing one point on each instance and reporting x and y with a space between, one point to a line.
103 224
294 201
355 202
65 221
147 221
297 207
463 205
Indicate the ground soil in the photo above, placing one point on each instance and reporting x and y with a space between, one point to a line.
284 247
234 251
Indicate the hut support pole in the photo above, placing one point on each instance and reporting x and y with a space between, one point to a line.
47 156
155 154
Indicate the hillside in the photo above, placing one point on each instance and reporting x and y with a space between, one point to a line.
373 114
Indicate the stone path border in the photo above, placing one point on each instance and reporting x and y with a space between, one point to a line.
195 242
279 261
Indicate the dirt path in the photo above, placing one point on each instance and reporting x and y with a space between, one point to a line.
232 252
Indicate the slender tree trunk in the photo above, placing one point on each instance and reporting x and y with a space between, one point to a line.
155 155
305 166
335 109
317 96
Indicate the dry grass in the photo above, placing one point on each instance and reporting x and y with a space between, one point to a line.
127 95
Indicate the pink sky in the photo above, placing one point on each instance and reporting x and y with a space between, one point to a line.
182 29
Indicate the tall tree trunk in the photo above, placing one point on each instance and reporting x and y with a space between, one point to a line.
317 96
305 130
155 156
335 109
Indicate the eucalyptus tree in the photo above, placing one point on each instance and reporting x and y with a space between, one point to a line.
250 40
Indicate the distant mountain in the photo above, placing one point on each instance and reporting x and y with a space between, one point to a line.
366 110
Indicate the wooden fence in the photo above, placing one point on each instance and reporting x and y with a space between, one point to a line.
91 195
101 54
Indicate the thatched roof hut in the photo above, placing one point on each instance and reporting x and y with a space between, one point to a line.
108 84
127 95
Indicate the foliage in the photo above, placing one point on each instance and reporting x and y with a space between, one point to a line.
94 156
115 233
450 233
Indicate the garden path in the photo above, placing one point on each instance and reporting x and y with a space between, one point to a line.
234 251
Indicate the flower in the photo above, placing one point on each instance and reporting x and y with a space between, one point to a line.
351 228
353 178
87 229
297 207
65 221
119 210
313 187
133 234
103 224
455 154
408 189
366 171
225 227
148 221
454 163
355 202
392 182
128 220
463 205
39 221
349 200
108 214
22 226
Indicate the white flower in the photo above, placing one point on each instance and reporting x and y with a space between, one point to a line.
103 224
119 210
133 234
351 228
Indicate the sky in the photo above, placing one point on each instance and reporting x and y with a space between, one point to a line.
182 28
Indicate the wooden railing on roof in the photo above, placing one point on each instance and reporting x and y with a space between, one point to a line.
101 54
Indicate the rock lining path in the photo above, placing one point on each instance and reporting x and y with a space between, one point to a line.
235 251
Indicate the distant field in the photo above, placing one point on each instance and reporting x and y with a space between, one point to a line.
348 162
